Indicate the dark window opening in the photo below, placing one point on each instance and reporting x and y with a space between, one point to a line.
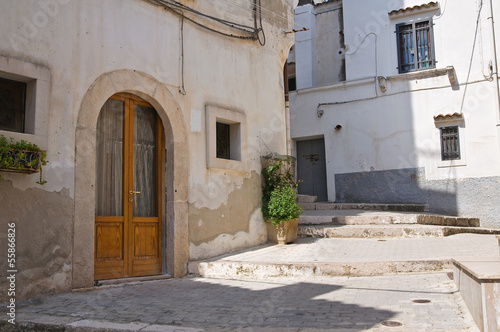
292 84
12 105
223 140
450 144
415 46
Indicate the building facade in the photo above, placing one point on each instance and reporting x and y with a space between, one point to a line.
398 102
154 115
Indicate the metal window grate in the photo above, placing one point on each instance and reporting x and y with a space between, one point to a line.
450 144
415 46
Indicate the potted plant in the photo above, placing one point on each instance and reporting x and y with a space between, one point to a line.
279 206
21 157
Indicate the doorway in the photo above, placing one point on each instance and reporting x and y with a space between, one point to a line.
311 168
129 186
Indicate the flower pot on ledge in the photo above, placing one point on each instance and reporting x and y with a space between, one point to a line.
283 233
23 161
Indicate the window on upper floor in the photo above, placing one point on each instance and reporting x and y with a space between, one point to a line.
415 46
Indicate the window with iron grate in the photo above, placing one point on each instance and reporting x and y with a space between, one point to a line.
450 143
415 46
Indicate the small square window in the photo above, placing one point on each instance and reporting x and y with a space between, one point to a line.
415 46
12 105
226 138
450 143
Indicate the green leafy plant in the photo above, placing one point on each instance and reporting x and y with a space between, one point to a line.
21 156
278 191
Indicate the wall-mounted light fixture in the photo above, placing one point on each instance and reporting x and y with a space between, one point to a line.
319 113
338 127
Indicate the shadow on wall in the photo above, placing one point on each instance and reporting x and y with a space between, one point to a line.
399 186
455 197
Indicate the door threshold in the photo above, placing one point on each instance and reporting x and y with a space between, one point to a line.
108 282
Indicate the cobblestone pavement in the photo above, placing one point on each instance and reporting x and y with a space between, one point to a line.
275 304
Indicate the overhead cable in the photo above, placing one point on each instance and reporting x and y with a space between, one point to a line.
248 31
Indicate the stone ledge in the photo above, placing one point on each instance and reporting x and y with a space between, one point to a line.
485 269
478 280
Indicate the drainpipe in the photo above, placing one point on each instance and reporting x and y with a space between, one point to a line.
495 63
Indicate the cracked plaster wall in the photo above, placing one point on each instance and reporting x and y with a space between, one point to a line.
235 223
44 229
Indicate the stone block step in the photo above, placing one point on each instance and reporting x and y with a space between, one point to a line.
364 206
387 231
242 270
311 257
306 199
364 217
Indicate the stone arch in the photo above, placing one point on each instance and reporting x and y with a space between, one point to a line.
175 217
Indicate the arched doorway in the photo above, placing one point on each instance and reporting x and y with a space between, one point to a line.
129 155
174 228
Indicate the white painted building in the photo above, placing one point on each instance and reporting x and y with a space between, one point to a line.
154 115
398 102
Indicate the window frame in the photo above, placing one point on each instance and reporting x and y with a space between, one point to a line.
445 123
20 90
455 155
237 136
38 80
416 61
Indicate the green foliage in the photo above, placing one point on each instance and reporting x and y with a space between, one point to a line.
281 205
278 192
21 156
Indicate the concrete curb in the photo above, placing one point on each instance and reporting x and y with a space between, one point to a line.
45 323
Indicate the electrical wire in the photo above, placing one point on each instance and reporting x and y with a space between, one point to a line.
269 14
472 55
182 89
178 8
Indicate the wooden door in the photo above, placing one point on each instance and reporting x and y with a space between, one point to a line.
128 189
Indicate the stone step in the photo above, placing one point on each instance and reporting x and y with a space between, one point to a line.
364 206
306 198
323 257
365 217
387 231
242 270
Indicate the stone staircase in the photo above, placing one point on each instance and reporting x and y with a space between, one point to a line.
357 220
358 240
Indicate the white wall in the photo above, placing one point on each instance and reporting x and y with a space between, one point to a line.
395 129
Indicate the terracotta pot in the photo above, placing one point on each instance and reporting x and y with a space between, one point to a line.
285 232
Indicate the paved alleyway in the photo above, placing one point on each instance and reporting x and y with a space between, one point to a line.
274 304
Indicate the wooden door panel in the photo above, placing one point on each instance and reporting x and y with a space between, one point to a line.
109 241
145 240
109 270
146 267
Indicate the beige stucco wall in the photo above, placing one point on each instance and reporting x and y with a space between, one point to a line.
91 49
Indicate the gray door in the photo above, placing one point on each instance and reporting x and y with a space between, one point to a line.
311 168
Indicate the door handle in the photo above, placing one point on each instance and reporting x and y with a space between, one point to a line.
131 195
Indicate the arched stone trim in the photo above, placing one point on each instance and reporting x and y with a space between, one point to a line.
176 251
